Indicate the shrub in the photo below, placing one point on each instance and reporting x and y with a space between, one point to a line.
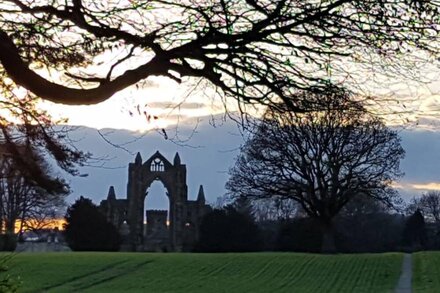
88 230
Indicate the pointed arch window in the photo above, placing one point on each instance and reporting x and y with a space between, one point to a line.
157 165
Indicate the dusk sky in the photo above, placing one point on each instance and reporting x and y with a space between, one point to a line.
187 112
209 151
129 118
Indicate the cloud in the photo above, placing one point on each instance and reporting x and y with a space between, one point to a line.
409 190
208 153
426 186
173 105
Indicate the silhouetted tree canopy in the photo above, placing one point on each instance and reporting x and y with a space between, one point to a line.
88 230
256 51
321 159
228 230
365 224
300 235
414 233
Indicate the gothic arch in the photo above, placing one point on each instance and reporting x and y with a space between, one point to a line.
173 177
128 214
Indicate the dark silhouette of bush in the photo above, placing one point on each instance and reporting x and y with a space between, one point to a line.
300 234
227 230
375 232
414 234
8 242
87 229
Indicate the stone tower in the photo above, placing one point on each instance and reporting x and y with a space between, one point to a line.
184 215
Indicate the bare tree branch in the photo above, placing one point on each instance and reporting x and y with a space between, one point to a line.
254 51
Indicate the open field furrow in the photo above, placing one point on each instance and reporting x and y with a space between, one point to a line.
265 269
218 268
263 273
386 272
108 277
194 273
209 272
202 275
292 275
337 272
317 274
358 275
330 269
356 269
426 272
79 278
351 276
302 271
273 275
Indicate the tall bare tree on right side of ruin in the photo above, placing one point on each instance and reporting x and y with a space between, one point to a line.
322 159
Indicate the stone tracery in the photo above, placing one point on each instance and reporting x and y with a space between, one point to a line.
177 236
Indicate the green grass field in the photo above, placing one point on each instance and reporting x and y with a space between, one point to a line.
254 272
426 272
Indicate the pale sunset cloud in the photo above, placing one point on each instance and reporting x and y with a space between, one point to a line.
400 102
426 186
411 188
159 104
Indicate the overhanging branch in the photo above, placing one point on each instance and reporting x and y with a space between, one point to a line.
22 75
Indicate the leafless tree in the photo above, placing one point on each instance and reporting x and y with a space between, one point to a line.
428 204
363 205
44 216
24 129
256 51
321 159
274 209
21 197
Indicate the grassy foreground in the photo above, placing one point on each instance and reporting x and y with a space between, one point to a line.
426 272
251 272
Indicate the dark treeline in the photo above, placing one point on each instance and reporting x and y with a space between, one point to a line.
363 226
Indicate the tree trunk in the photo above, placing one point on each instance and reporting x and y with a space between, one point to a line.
10 226
328 244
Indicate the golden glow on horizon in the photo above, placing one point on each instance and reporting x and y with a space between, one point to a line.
49 224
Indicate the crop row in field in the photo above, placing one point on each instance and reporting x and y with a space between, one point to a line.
426 272
256 272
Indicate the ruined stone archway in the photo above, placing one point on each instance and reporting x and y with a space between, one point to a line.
178 236
141 176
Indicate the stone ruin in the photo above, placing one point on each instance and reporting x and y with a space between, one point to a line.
180 231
